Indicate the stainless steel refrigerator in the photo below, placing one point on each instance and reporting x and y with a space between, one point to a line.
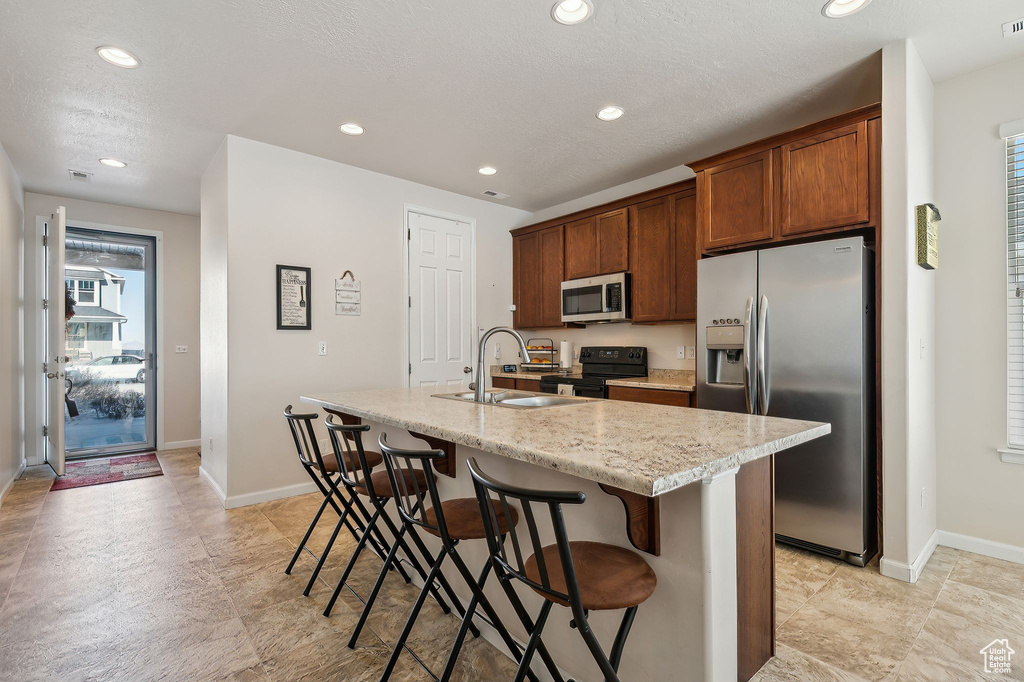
789 332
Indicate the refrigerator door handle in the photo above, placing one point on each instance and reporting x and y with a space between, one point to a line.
748 375
763 389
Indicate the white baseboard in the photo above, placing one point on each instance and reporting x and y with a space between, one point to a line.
203 474
236 501
176 444
10 483
991 548
909 573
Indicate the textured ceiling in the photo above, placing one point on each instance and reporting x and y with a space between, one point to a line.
444 86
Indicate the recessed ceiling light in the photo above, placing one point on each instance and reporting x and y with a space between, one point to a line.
351 128
835 9
113 163
610 113
572 11
487 170
117 57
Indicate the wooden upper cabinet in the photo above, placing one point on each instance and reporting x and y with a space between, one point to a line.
734 201
597 245
526 280
613 242
684 215
652 256
552 271
824 180
581 256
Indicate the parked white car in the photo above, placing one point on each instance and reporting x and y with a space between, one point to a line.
111 368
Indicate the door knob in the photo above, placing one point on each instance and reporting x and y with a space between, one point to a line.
467 370
53 375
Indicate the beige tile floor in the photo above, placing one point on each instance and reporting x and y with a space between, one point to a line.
153 580
836 622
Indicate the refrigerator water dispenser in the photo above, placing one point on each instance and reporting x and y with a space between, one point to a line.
725 354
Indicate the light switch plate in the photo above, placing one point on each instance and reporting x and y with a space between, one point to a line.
181 349
691 353
323 348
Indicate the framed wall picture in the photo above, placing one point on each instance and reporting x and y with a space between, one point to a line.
293 302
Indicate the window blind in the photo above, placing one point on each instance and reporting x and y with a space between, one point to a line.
1015 291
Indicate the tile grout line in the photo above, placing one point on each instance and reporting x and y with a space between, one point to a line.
220 581
21 560
924 622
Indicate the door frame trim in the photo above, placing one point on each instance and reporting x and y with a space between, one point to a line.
407 289
34 335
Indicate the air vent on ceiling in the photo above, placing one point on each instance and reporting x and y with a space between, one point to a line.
1013 27
79 176
496 195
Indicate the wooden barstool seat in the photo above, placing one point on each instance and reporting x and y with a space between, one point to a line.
462 516
609 577
373 460
382 484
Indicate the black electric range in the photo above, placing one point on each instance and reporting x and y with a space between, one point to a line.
600 363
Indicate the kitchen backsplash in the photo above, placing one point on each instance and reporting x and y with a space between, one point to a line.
661 341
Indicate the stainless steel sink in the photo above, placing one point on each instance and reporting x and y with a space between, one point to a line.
518 400
546 400
490 397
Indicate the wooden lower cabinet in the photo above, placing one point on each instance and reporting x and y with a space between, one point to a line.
650 395
508 383
755 565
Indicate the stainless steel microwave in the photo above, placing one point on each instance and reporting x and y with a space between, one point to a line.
596 299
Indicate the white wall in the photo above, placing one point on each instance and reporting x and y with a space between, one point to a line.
908 314
214 319
979 495
12 221
283 207
179 372
661 341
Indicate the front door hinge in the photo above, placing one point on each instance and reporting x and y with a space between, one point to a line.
410 234
46 368
410 368
410 301
44 240
46 304
46 432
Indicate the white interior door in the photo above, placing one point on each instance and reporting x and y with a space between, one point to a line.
55 339
440 301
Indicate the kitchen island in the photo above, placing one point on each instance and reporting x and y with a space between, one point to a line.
704 524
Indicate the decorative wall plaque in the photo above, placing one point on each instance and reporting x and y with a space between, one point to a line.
293 297
928 236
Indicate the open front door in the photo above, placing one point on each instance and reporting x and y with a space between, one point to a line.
56 325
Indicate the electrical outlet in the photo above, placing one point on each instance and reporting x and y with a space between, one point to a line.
680 352
181 349
497 351
691 353
323 348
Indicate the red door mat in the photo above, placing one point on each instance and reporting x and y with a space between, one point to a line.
96 471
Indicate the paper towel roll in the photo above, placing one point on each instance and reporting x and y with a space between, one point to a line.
565 355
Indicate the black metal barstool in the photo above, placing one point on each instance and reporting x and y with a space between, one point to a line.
376 487
323 471
585 576
455 520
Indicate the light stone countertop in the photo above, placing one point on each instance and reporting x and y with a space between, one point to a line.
647 449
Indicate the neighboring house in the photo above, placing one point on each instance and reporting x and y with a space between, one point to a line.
95 330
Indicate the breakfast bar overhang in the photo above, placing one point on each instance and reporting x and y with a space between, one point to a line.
696 490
